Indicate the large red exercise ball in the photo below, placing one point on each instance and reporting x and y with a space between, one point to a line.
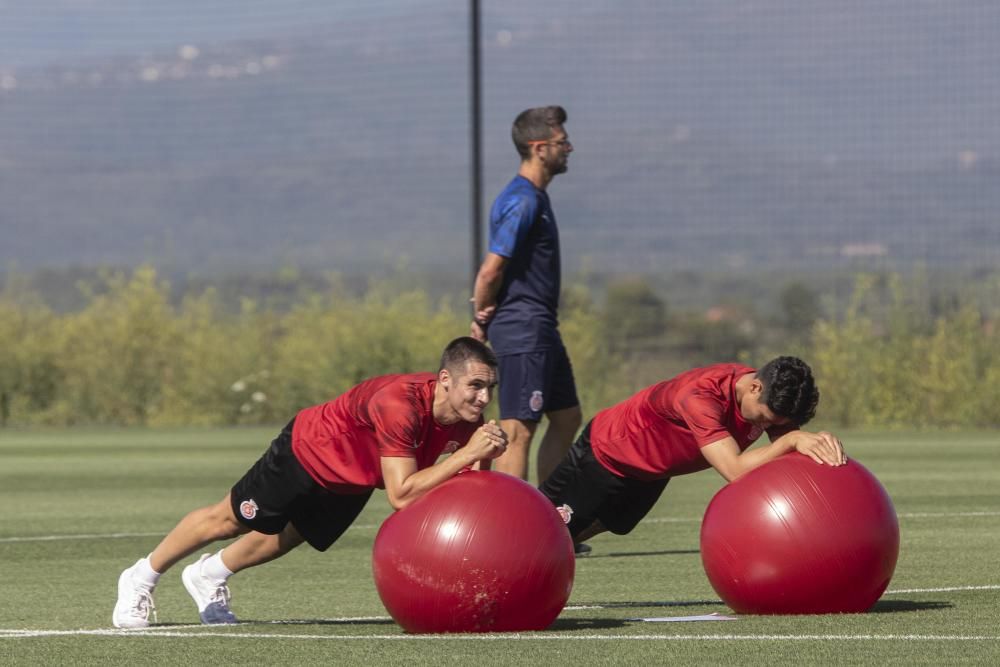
797 537
482 552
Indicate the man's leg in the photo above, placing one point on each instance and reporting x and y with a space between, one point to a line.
196 530
562 428
590 531
580 489
563 411
205 580
258 548
514 461
203 526
262 497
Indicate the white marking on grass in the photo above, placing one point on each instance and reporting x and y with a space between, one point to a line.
901 515
82 536
988 587
945 515
689 603
540 636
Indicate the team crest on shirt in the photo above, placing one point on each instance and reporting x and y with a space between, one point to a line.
536 402
451 447
755 433
248 509
566 512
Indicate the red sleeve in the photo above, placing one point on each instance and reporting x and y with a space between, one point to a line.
398 421
703 415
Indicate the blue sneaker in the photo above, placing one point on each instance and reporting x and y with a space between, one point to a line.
212 597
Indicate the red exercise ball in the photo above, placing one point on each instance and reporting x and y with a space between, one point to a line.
482 552
797 537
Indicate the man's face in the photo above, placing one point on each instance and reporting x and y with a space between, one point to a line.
555 151
755 410
470 391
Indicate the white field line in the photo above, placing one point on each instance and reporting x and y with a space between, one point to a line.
901 515
190 630
988 587
82 536
371 526
20 634
687 603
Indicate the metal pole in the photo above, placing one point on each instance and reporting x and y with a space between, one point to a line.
475 167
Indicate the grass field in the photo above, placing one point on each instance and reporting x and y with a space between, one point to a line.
79 506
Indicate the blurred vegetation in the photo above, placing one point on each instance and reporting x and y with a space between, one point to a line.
896 351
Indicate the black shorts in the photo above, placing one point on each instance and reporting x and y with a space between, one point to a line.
278 490
584 491
534 383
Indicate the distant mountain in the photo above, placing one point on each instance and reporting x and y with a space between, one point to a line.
707 134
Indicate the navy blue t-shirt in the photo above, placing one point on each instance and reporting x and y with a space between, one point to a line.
523 229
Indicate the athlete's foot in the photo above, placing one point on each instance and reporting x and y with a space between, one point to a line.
212 597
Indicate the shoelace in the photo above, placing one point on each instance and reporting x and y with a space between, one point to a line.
142 605
221 596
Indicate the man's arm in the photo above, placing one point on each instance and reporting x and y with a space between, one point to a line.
484 294
404 482
726 457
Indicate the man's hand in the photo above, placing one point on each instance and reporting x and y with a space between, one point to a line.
485 314
488 442
477 331
480 321
822 447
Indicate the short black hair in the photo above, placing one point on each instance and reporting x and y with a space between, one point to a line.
463 350
535 124
789 389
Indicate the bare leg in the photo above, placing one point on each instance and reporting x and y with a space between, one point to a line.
257 548
199 528
557 440
514 461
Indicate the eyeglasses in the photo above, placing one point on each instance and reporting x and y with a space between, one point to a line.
559 142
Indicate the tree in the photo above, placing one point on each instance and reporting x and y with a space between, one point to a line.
799 308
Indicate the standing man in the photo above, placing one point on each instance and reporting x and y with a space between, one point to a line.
706 417
516 298
387 432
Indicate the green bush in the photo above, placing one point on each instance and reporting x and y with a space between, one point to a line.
133 355
903 371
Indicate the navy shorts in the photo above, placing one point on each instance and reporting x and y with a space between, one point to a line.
583 491
534 383
278 490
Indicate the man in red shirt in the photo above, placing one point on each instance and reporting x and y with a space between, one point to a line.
706 417
316 477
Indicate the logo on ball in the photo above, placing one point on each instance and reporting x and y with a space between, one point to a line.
566 512
536 401
248 508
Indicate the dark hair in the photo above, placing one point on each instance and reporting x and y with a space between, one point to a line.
789 389
463 350
535 125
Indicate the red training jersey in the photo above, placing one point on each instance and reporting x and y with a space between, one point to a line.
340 443
659 432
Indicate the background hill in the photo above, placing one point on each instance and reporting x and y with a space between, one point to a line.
220 135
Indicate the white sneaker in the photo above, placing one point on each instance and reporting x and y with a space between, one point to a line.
211 597
135 603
